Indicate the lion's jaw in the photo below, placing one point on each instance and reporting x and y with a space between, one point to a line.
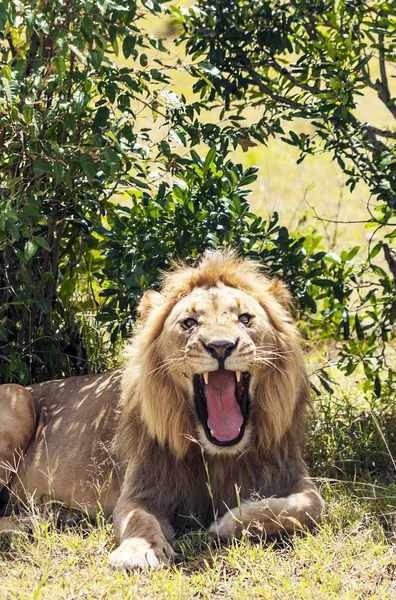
213 344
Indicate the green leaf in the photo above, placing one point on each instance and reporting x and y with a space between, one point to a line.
69 121
7 89
359 328
323 282
42 242
377 386
30 249
112 159
101 117
60 67
352 253
59 171
96 59
13 230
87 27
23 372
377 248
325 384
128 45
28 113
209 68
43 303
80 98
88 165
42 166
209 158
67 289
178 192
108 292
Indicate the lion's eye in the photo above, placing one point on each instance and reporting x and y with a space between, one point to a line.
189 323
245 318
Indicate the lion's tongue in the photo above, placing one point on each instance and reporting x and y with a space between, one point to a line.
224 413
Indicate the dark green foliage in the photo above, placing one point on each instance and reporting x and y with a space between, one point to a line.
67 142
206 208
350 442
73 261
308 60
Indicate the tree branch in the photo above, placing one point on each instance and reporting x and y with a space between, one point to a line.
390 260
266 90
372 137
283 71
11 45
381 85
382 132
382 66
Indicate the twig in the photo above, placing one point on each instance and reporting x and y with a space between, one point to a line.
11 45
286 73
390 260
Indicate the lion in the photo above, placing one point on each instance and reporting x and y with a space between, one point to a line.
208 419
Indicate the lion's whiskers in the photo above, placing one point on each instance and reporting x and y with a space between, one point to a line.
274 349
166 365
269 363
273 354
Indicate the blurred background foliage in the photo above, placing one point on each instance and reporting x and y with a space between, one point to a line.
122 150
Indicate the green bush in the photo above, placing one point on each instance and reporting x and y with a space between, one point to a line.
68 142
73 260
206 208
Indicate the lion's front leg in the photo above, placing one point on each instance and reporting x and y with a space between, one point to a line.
301 509
141 535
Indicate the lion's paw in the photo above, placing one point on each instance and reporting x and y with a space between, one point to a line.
139 554
226 528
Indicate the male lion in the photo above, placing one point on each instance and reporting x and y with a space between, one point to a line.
214 399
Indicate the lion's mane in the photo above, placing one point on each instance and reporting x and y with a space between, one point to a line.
154 405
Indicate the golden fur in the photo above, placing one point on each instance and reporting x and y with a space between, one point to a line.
278 390
172 468
170 460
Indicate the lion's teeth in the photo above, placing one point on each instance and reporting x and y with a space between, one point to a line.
239 431
206 377
238 376
212 433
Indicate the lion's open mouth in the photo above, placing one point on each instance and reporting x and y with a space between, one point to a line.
222 405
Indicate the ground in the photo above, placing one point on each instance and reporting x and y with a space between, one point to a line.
350 557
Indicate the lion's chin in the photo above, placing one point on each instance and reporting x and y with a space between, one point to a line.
222 402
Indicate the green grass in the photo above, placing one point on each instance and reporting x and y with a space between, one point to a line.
350 557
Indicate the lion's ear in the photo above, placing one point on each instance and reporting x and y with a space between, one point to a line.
149 300
281 293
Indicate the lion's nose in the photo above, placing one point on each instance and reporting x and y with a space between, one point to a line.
221 350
